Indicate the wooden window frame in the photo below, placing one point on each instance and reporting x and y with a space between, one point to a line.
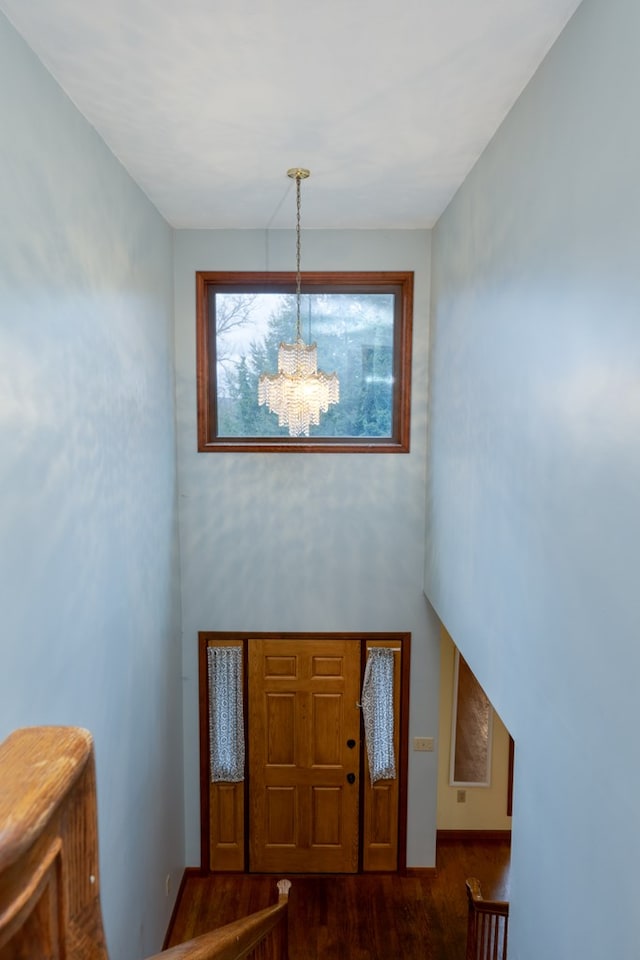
399 283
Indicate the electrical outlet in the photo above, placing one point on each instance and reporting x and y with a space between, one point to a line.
423 743
461 796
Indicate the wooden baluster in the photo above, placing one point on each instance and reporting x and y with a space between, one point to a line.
487 925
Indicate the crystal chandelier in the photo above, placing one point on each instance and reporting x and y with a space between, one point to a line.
298 393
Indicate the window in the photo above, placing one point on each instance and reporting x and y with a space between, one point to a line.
472 730
362 325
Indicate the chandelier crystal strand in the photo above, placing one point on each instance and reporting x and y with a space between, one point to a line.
298 393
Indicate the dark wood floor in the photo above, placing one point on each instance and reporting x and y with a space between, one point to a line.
358 917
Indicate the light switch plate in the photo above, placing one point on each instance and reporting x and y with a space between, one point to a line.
424 744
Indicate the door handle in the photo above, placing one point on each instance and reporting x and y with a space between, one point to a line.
351 744
351 777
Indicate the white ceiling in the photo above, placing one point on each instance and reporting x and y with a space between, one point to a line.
207 103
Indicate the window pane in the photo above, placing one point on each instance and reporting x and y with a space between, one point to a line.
354 334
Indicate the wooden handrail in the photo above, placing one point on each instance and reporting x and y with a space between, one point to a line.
49 877
39 765
236 940
488 925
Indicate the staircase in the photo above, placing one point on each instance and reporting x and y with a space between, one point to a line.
49 879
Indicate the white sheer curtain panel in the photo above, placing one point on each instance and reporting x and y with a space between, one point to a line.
226 720
377 709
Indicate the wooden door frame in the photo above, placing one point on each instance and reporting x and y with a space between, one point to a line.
241 638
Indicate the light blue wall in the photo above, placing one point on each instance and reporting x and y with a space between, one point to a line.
534 487
306 542
89 601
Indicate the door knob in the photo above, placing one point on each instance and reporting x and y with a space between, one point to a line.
351 777
351 744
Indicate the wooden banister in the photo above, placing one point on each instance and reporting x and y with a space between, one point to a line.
236 940
49 878
488 925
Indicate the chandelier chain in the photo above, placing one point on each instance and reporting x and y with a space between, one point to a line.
298 274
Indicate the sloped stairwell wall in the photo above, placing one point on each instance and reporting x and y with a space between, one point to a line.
533 499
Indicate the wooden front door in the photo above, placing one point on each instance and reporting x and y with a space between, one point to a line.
304 755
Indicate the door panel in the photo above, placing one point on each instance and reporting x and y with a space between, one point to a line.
326 818
281 730
281 816
225 848
381 799
302 712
